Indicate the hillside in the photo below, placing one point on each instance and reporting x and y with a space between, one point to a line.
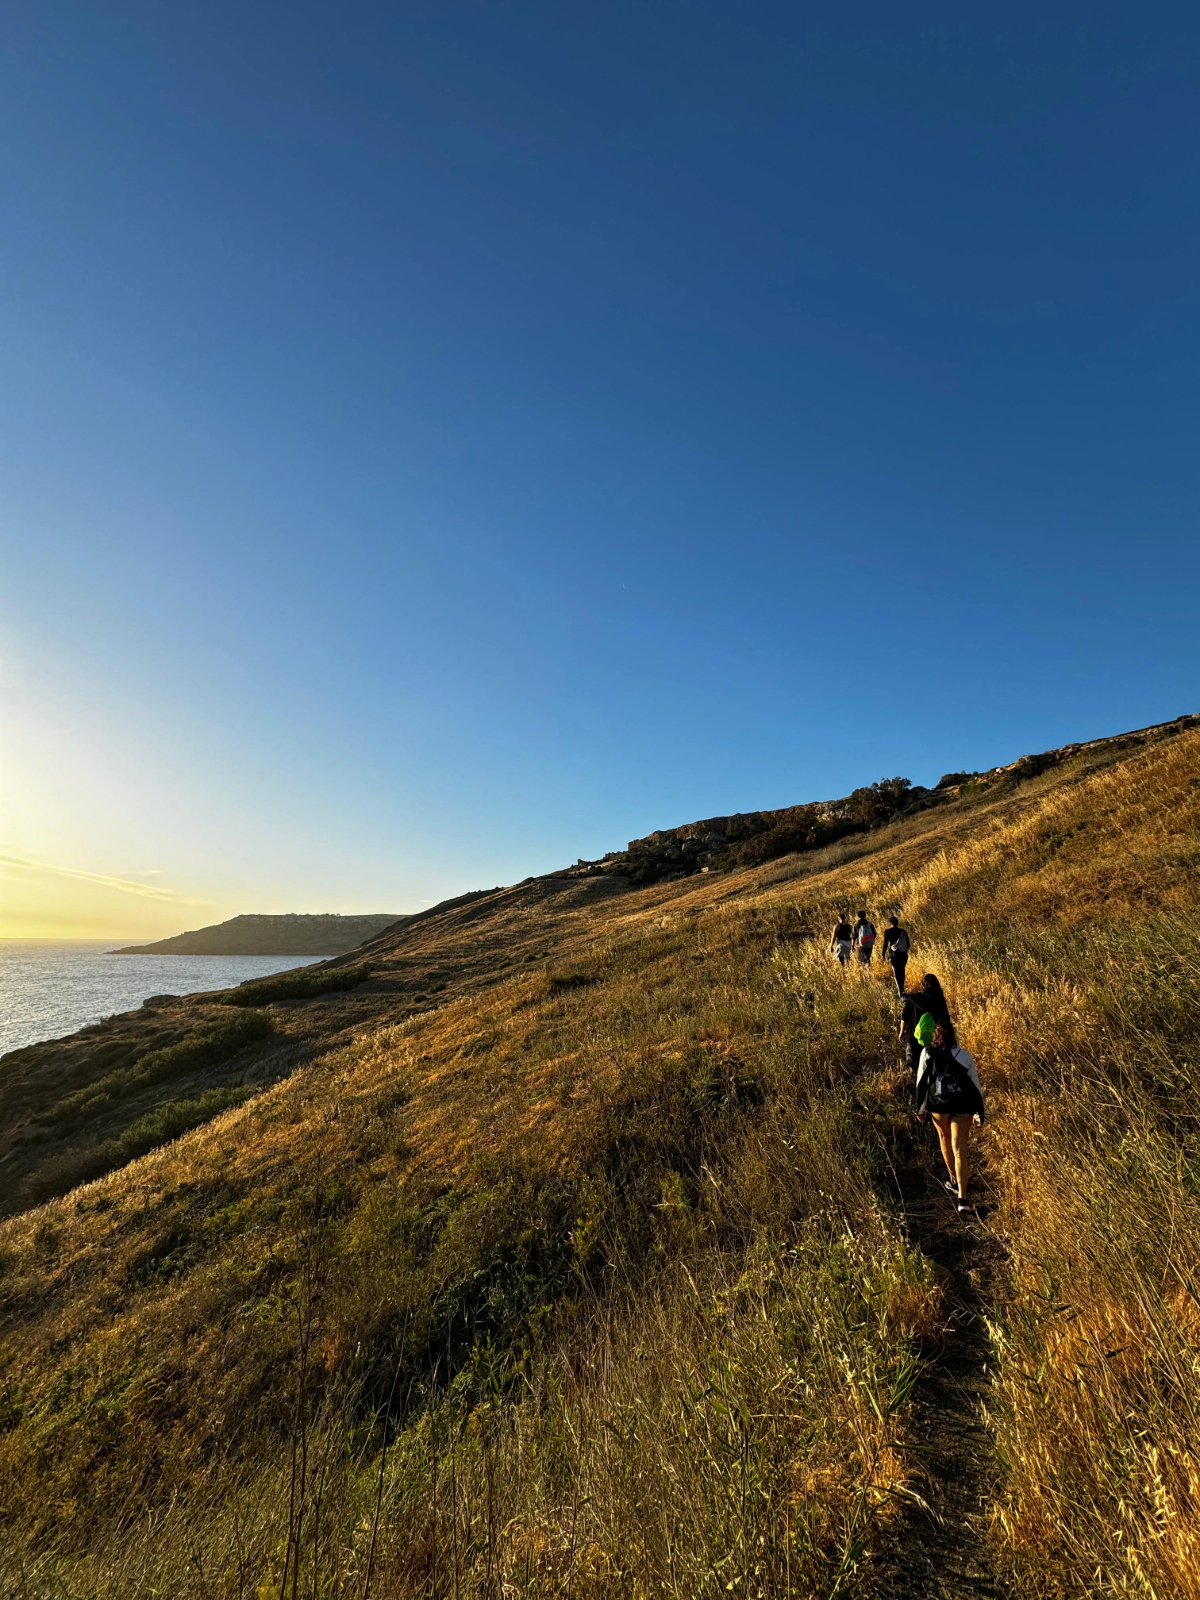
584 1243
294 934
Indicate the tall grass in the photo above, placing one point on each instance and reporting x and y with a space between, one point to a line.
1071 942
666 1347
1098 1410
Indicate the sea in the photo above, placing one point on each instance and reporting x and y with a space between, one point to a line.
50 987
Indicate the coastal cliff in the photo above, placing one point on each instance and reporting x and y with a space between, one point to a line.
295 934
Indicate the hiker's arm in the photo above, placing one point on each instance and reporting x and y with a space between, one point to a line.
967 1060
919 1086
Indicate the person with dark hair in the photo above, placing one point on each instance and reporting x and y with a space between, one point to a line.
896 945
864 938
843 936
925 1001
948 1090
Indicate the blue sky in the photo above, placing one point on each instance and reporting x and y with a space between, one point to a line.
440 441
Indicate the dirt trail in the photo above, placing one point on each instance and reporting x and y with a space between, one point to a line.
945 1551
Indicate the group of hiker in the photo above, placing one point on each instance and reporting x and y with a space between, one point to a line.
945 1077
860 939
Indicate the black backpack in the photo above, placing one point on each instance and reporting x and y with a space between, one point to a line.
949 1086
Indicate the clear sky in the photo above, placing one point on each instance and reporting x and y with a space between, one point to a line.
439 441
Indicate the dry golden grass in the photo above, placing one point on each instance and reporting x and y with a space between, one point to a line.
1069 942
611 1264
568 1178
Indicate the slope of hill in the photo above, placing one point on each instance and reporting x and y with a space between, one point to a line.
589 1246
293 934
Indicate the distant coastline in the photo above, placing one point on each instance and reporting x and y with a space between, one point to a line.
293 934
52 987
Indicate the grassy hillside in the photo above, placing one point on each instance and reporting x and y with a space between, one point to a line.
590 1248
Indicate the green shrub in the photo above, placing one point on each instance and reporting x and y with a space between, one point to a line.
206 1046
303 984
68 1168
560 982
173 1118
65 1170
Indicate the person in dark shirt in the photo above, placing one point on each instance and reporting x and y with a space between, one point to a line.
928 1000
896 945
840 944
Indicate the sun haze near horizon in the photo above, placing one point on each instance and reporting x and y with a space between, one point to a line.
439 445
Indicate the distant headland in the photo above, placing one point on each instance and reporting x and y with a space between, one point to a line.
295 934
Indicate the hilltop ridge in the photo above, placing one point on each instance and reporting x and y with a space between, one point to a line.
256 934
751 838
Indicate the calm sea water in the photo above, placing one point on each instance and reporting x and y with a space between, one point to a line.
49 988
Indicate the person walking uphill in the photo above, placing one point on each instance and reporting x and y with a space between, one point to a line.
949 1091
864 938
927 1000
840 943
896 945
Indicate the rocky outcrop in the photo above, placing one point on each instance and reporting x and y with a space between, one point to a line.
752 837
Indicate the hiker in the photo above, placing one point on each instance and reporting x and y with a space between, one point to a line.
843 936
864 938
896 945
948 1090
927 1000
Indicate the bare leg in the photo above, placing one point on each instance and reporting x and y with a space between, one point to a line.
942 1123
960 1140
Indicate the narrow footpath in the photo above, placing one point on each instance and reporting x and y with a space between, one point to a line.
944 1552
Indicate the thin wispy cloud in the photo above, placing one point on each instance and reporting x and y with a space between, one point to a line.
147 891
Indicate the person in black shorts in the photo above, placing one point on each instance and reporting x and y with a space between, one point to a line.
948 1089
896 945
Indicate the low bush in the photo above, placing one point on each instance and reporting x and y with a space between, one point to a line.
304 984
561 982
69 1168
206 1046
173 1118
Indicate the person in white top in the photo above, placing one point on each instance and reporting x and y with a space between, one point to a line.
948 1090
864 938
